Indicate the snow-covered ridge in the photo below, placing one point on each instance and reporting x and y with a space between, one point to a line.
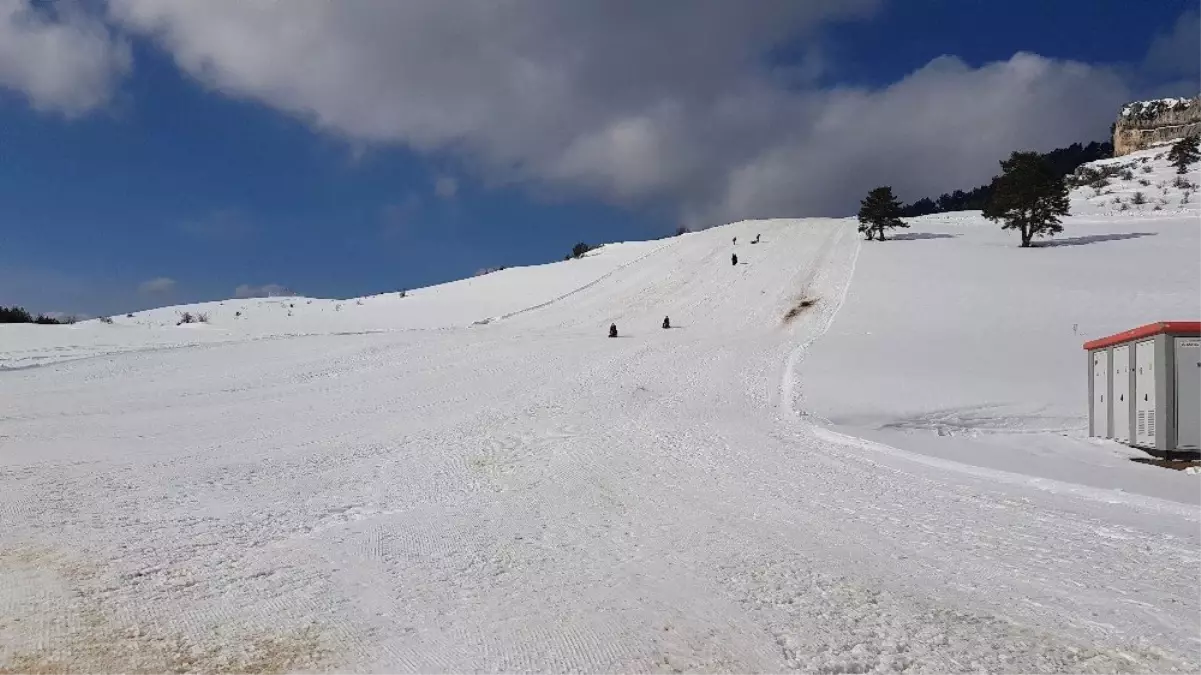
1144 124
1152 108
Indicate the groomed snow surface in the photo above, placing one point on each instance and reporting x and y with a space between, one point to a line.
474 478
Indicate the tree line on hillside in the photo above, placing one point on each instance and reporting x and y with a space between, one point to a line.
882 211
1029 196
1062 161
21 315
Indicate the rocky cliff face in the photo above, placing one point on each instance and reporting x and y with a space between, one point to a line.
1146 123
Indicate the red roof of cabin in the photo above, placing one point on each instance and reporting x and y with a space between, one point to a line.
1190 328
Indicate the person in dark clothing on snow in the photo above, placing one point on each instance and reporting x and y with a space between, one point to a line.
734 259
612 330
735 241
666 322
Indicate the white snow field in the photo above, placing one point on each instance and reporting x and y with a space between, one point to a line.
896 479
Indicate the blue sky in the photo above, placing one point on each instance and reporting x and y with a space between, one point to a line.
174 153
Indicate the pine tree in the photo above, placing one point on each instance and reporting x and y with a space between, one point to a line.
1029 196
15 315
880 210
1183 153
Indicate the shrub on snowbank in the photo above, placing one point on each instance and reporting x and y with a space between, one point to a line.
188 317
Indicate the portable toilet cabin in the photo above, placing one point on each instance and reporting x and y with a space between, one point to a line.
1144 387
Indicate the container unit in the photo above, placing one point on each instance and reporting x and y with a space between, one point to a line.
1144 387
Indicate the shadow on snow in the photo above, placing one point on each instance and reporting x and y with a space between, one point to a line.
1092 239
915 236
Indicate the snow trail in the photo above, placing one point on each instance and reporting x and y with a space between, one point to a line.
838 287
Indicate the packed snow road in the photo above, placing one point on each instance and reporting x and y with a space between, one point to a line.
527 494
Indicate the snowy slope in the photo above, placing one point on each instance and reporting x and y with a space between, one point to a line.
452 305
403 486
942 356
968 347
1146 172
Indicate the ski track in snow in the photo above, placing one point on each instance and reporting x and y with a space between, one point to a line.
529 495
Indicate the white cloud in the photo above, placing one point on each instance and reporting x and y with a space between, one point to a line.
446 187
942 127
627 100
157 286
264 291
1178 51
59 57
663 103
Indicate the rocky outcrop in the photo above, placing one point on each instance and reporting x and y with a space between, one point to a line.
1145 123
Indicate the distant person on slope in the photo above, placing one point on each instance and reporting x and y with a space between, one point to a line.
666 322
612 330
735 241
734 259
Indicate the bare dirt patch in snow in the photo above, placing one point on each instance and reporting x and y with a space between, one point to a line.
92 636
799 308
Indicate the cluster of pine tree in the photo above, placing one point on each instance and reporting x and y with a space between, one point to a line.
21 315
1062 161
1029 196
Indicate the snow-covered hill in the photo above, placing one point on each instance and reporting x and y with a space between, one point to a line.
453 305
845 456
1135 185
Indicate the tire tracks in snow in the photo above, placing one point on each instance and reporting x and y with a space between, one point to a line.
820 273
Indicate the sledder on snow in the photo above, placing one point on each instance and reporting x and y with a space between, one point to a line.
612 330
666 322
